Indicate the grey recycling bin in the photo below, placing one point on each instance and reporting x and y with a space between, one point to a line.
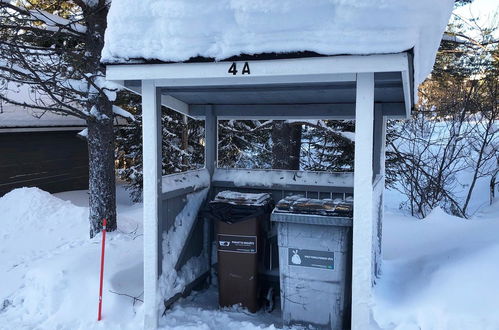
315 268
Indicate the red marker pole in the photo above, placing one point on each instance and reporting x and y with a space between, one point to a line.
99 317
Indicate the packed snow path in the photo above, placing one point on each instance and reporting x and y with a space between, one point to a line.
439 273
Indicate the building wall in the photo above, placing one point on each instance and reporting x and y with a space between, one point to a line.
53 161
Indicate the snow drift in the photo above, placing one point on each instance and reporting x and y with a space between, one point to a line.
34 222
440 273
49 267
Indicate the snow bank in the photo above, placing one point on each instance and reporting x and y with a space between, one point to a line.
176 30
50 268
440 272
34 222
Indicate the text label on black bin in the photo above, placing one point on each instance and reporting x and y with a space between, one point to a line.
311 258
237 243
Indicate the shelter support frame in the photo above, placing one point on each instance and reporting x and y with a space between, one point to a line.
156 82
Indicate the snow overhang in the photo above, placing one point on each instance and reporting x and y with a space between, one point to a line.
289 88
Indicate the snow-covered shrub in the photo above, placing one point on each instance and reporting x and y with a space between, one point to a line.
438 161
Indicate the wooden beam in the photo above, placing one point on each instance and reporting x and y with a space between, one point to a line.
339 86
187 291
211 139
362 278
186 248
408 83
393 110
151 134
290 187
179 192
278 111
378 139
301 70
407 93
175 104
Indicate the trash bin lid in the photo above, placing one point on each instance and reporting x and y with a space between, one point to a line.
232 206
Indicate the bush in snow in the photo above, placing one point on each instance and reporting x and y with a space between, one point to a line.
452 142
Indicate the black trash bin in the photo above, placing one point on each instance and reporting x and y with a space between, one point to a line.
239 222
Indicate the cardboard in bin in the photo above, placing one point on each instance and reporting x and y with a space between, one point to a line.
238 198
329 207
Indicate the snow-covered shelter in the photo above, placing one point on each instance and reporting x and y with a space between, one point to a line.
274 59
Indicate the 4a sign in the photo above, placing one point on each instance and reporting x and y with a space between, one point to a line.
233 69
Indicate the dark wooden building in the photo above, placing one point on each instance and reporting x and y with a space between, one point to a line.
43 152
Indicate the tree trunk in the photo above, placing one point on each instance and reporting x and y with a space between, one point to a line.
286 145
102 185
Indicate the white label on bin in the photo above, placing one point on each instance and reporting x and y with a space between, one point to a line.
311 258
237 243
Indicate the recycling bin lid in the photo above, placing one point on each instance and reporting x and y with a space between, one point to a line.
324 207
310 219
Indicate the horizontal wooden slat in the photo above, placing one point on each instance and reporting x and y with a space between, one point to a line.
52 161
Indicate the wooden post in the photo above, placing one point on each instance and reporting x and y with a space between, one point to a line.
379 182
362 272
151 144
378 141
382 151
211 140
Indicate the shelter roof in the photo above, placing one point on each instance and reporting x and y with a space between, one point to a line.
179 30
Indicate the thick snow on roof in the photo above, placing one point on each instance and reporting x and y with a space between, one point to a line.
15 116
176 30
18 116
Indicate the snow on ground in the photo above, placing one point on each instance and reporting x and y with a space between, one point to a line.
439 273
200 311
50 268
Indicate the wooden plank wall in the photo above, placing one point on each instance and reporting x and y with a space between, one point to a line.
53 161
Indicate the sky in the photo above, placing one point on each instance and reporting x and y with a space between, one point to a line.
487 12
